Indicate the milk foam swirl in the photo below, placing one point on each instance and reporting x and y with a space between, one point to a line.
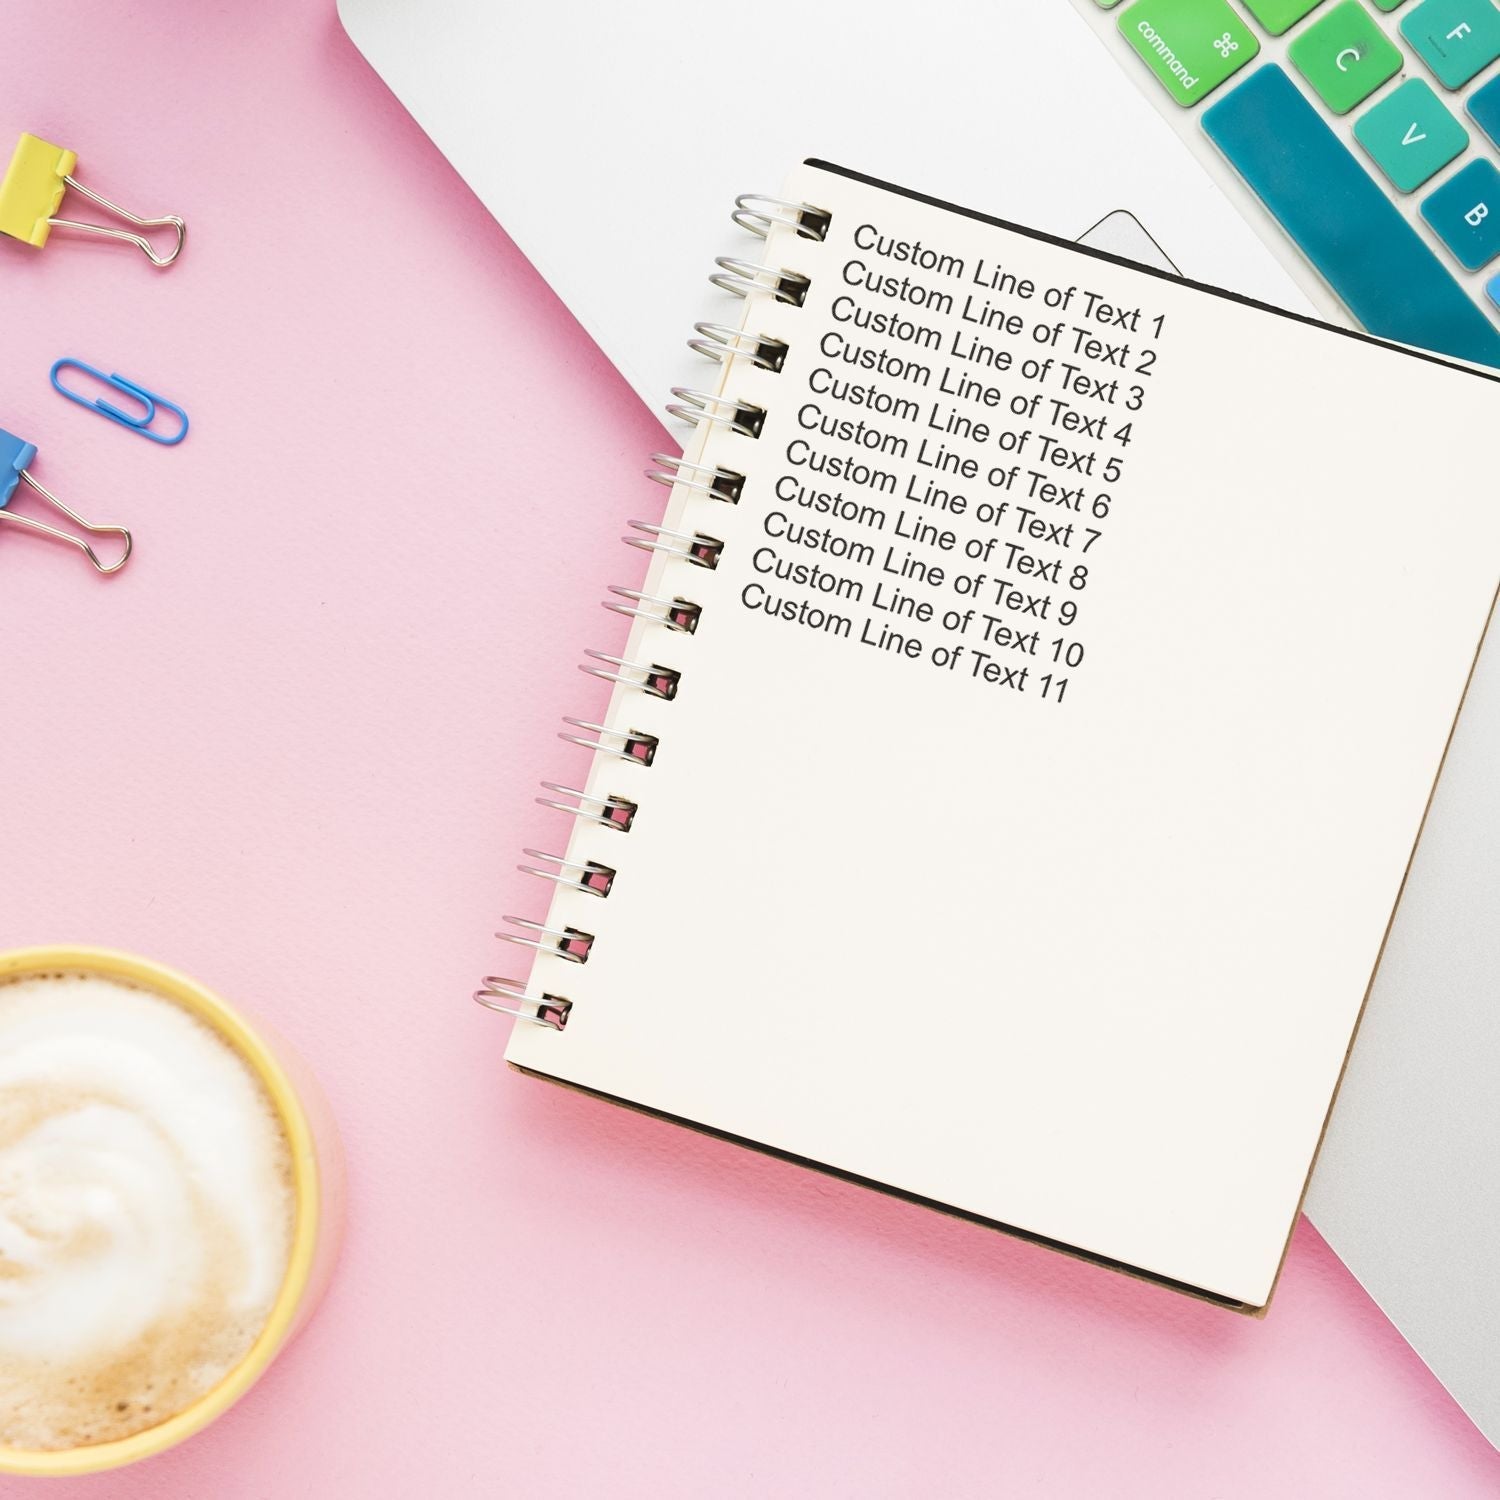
145 1210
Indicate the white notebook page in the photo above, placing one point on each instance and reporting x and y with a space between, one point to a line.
1065 918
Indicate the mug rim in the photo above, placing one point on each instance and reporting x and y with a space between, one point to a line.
198 1000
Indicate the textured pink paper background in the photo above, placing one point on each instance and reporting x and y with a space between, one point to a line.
293 749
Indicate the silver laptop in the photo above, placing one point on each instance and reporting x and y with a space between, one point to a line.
1332 159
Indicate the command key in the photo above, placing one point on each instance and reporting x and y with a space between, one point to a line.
1191 45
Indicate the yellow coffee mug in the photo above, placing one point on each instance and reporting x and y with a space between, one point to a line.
317 1179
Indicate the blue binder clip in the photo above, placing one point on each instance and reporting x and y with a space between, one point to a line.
16 458
149 401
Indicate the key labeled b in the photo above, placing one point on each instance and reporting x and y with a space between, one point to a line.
1410 135
1465 211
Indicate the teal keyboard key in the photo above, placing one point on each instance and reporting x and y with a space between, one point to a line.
1465 211
1377 264
1484 109
1410 134
1456 38
1492 290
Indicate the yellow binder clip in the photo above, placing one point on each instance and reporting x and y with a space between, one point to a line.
31 192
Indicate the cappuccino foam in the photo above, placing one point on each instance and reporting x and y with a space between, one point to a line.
146 1210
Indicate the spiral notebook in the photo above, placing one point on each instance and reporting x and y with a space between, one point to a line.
1027 717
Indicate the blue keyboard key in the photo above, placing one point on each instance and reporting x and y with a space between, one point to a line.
1376 263
1484 109
1492 289
1466 212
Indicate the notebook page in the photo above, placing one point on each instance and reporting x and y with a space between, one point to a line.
1052 744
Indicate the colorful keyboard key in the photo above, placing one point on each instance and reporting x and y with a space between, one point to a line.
1484 109
1345 56
1492 290
1456 38
1465 211
1191 45
1358 240
1410 134
1388 4
1280 15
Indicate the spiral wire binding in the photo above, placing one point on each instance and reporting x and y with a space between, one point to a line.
608 812
660 682
720 484
676 613
746 277
698 407
571 943
760 214
690 546
635 745
719 342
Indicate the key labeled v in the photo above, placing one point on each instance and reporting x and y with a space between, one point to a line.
1413 135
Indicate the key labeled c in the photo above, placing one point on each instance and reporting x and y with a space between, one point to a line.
1352 53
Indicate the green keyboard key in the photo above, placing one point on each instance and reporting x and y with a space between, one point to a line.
1278 15
1191 45
1456 38
1410 134
1388 4
1345 56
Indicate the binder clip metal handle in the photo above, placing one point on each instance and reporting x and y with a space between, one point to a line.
15 458
166 221
145 423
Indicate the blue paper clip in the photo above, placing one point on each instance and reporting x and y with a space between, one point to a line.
148 399
16 458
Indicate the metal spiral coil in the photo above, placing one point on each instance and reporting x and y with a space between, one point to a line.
720 342
571 943
659 682
720 484
698 407
746 277
688 546
593 878
676 613
759 215
634 745
608 812
544 1010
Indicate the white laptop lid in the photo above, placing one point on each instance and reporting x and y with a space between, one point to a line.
615 170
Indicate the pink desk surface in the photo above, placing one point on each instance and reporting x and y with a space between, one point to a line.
292 749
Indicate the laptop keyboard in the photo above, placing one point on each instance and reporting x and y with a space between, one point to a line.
1363 114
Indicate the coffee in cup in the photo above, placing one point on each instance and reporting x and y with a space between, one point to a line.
149 1202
